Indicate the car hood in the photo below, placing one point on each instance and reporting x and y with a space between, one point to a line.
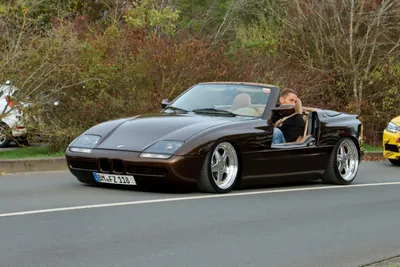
396 120
136 134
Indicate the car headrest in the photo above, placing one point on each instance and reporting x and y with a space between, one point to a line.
299 106
241 101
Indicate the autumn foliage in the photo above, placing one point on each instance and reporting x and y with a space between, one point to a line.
106 67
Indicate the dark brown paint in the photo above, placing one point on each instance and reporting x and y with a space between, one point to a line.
260 162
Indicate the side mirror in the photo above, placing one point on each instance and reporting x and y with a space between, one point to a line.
285 109
165 103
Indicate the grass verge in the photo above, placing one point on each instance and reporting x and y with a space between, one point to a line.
370 148
30 152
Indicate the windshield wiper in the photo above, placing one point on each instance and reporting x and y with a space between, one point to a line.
213 111
176 109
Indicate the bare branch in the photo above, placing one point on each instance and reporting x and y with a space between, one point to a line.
395 46
227 13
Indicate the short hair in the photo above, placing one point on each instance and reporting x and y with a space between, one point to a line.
287 91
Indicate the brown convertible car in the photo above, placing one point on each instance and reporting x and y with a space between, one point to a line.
217 135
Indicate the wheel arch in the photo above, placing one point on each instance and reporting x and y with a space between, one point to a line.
203 184
240 159
358 147
356 142
331 175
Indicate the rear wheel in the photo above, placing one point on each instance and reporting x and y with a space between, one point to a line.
4 135
395 162
343 164
220 169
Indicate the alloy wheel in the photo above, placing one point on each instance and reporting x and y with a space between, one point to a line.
347 159
224 165
3 133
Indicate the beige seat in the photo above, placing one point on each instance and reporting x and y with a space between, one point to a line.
242 105
299 106
241 101
299 109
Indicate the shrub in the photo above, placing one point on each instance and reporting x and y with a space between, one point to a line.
125 72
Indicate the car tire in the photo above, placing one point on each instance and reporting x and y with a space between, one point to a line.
4 132
343 164
395 162
220 170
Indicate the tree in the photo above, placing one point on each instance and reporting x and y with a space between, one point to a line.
347 39
159 18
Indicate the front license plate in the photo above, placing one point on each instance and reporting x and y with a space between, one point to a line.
114 179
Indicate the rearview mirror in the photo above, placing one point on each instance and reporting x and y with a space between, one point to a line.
165 103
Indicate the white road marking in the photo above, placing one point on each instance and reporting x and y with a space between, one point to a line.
11 214
34 173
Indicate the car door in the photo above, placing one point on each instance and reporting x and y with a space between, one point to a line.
295 161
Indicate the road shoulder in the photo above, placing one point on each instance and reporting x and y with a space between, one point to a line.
32 165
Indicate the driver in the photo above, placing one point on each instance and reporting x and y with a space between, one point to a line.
292 127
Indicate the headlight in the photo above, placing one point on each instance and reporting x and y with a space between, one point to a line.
161 150
84 143
393 128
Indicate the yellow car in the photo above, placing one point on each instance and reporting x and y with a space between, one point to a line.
391 141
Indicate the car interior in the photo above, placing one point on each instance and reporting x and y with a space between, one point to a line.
242 105
307 138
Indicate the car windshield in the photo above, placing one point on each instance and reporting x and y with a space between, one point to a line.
7 90
223 99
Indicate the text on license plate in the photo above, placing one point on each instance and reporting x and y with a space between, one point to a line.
114 179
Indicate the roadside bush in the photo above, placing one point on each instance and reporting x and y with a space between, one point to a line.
122 65
124 72
117 72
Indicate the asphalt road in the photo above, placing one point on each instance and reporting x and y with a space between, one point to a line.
46 220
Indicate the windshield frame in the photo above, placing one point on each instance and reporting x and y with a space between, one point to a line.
271 101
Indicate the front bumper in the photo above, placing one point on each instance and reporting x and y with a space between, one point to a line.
391 145
19 132
176 168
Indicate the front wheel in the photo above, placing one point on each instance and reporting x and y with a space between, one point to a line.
220 170
4 135
395 162
343 164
